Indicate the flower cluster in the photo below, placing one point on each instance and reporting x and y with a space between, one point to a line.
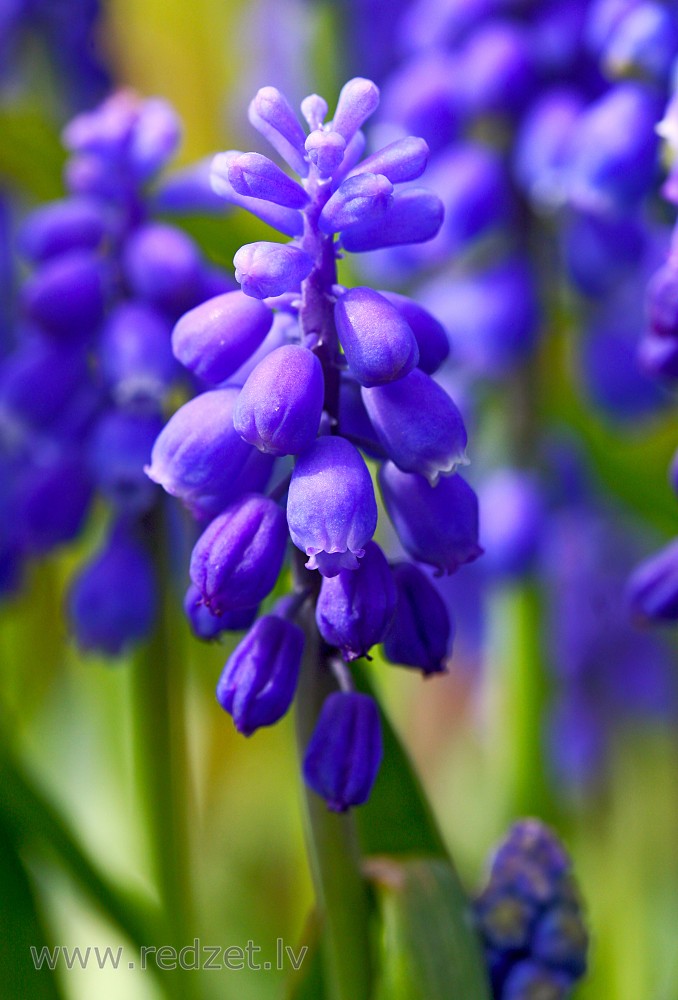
557 536
301 374
653 587
541 119
530 919
67 30
83 390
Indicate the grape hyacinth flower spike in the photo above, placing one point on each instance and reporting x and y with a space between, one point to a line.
530 917
305 375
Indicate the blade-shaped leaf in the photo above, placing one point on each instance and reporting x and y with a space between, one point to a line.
22 931
397 819
308 982
428 949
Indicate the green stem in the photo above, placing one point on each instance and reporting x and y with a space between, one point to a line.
162 765
334 854
516 658
516 624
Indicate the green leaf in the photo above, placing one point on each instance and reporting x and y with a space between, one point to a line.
31 155
397 819
22 930
428 949
308 983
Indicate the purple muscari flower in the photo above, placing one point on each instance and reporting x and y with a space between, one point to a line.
70 224
418 425
673 472
118 450
402 160
643 43
437 525
39 378
254 477
354 423
255 176
288 220
135 355
653 586
358 100
600 249
359 195
542 145
236 561
613 161
423 97
199 453
112 601
611 371
331 509
162 267
344 753
532 979
556 32
155 136
602 19
497 69
506 919
284 330
378 341
662 300
66 297
55 491
272 116
119 145
577 741
473 186
205 625
513 516
190 189
279 407
355 607
260 677
326 151
415 215
429 333
268 269
560 939
293 388
215 338
530 919
421 631
491 318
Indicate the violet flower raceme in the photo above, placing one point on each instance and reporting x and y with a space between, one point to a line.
530 917
83 392
289 356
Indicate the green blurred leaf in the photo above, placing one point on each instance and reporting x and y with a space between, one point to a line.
428 950
308 983
31 155
397 819
22 930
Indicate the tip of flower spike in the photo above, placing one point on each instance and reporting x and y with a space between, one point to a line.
359 98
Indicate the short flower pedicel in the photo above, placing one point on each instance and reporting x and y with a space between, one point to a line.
298 366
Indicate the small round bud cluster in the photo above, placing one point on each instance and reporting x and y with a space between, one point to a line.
530 918
83 391
304 378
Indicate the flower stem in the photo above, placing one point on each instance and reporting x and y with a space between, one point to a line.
159 691
334 854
